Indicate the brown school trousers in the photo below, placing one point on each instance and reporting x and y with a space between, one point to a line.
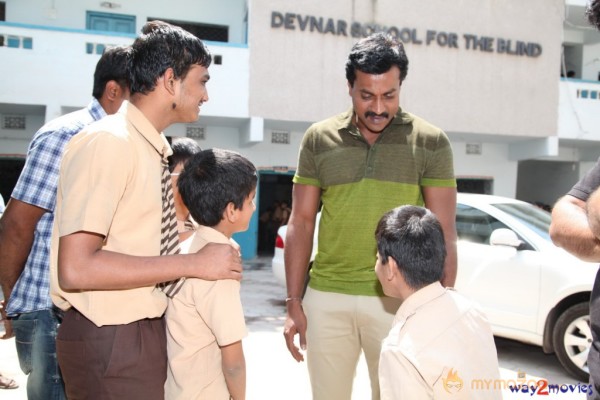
113 361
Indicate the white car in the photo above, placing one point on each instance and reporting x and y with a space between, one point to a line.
531 290
277 263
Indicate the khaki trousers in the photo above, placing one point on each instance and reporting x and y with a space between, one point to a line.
340 326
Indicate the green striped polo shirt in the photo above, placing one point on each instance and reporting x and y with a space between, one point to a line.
359 183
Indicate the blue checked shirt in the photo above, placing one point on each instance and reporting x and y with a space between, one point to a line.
37 186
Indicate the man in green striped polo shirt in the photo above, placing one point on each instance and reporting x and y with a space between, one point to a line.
359 165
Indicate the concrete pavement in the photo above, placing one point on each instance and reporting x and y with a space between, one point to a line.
9 367
273 374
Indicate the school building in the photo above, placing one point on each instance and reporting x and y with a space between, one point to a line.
514 84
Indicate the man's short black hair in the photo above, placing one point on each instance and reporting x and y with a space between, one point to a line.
376 54
413 237
211 180
162 46
112 66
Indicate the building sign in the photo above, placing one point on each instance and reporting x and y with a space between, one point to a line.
330 26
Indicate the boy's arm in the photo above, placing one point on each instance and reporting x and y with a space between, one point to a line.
234 369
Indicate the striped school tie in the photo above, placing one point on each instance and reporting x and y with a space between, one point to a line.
169 241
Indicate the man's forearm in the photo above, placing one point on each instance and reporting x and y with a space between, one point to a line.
442 202
14 250
570 229
108 270
450 265
297 257
17 230
83 265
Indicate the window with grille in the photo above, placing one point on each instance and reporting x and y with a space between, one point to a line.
13 122
280 137
195 132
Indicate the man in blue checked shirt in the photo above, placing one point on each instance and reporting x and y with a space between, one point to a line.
26 227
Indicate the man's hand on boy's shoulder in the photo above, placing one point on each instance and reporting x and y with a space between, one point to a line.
218 261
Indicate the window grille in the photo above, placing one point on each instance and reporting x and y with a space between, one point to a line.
280 137
13 122
195 132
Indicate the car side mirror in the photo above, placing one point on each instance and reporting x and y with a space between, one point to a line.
505 237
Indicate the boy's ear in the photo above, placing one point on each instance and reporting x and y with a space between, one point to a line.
169 80
230 212
391 271
112 90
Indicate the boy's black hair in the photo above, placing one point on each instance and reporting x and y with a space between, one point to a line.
211 180
183 149
413 237
162 46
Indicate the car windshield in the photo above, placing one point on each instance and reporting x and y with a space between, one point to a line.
533 217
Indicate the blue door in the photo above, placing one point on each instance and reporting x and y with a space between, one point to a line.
248 240
272 185
98 21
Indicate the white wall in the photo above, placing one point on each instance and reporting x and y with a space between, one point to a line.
14 146
264 155
58 74
581 3
579 118
286 75
228 85
17 141
584 167
71 14
545 181
492 162
458 89
591 62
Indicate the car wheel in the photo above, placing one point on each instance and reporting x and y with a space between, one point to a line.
572 338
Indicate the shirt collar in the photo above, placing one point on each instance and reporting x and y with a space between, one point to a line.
213 236
146 129
418 299
95 109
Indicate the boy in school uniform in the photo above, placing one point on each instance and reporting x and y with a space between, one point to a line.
205 320
439 342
